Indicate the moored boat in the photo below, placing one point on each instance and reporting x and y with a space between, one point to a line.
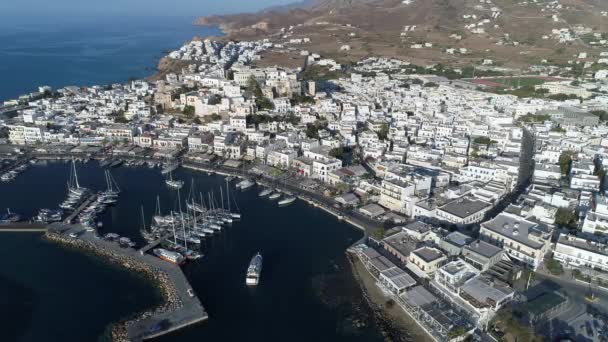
170 256
287 201
245 184
274 196
10 217
265 193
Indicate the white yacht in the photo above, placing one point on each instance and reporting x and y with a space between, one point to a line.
254 270
287 201
274 196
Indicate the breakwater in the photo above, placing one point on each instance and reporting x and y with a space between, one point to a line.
177 310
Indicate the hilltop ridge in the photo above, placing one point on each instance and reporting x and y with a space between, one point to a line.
505 32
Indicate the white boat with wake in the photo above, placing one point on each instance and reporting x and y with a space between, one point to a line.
254 270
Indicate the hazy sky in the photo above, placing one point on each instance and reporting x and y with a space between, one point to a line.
133 7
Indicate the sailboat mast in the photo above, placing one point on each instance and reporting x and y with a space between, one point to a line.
179 201
228 195
193 213
173 225
222 198
143 220
202 202
210 203
75 174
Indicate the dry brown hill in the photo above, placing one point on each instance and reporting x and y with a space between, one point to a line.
512 33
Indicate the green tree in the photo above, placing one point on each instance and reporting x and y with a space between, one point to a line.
378 233
188 111
602 114
302 99
554 266
312 131
261 101
197 121
563 97
119 116
566 217
215 117
336 152
565 159
214 100
484 141
383 133
455 332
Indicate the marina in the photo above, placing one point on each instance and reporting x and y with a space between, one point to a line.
228 249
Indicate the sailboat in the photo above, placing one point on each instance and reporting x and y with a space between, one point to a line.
73 185
289 198
144 232
110 195
175 184
169 167
235 216
9 217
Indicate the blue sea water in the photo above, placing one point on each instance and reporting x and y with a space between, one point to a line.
85 50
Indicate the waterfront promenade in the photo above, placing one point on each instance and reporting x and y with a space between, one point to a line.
181 308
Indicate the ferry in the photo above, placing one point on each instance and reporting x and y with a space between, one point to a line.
169 256
254 270
287 201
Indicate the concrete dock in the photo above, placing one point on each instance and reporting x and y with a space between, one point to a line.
184 308
147 248
81 207
23 227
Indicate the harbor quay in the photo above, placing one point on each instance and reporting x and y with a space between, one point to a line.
366 225
180 307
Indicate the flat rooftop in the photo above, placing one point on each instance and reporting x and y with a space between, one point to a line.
401 242
464 207
483 248
428 254
399 277
513 227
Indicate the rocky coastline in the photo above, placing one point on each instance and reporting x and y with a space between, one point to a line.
170 299
394 324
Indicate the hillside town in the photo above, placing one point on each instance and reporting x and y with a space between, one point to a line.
474 197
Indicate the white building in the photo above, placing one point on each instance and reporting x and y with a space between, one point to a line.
573 251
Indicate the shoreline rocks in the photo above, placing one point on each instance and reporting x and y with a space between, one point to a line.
170 300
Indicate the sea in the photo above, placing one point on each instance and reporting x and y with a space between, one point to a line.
52 293
86 50
306 292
